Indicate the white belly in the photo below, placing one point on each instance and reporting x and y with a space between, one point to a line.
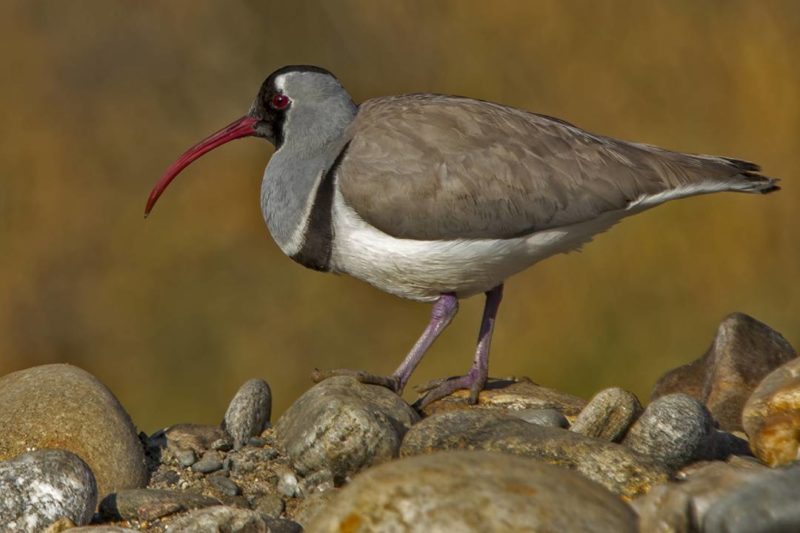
422 270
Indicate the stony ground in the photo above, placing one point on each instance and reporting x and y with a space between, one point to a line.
714 450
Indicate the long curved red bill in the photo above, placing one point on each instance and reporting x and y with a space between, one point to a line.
237 129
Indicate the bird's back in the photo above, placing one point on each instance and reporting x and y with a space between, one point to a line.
440 167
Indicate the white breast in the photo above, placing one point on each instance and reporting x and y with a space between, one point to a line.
422 270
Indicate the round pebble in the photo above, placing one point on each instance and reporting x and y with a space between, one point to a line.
249 411
210 462
674 430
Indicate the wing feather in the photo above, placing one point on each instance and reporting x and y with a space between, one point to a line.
444 167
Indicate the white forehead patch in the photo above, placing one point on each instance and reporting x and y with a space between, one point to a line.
280 81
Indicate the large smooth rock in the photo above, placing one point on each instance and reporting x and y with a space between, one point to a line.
473 491
231 520
341 426
680 507
507 395
674 430
765 503
149 504
743 352
62 406
608 415
249 411
771 417
614 466
39 487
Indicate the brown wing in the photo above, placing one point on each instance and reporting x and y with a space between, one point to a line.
444 167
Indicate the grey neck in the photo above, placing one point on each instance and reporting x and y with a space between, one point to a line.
313 138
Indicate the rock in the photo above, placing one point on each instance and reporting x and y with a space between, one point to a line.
508 395
224 485
766 502
612 465
310 506
608 415
270 504
542 417
341 426
61 406
743 352
248 413
43 486
473 491
149 504
101 529
674 430
771 417
210 462
185 457
682 506
231 520
195 437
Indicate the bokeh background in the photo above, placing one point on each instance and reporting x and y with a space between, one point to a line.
174 313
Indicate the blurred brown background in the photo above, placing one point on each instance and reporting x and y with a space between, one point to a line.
174 313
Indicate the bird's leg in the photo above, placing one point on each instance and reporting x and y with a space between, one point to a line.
476 378
444 309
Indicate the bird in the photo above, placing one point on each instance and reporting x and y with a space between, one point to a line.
437 198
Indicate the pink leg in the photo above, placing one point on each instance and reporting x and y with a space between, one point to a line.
444 309
476 378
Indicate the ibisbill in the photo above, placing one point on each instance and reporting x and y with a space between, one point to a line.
437 198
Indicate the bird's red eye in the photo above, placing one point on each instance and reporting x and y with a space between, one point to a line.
280 101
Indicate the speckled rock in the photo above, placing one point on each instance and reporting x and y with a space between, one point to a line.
743 352
62 406
771 417
231 520
249 411
680 506
473 491
341 426
765 503
608 415
507 395
612 465
43 486
149 504
674 430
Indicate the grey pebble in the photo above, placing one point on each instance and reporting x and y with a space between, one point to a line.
256 442
542 417
149 504
249 411
210 462
225 485
270 504
608 415
674 430
42 486
185 457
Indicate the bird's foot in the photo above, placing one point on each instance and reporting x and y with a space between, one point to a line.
437 389
390 382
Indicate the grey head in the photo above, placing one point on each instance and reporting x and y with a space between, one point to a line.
299 108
